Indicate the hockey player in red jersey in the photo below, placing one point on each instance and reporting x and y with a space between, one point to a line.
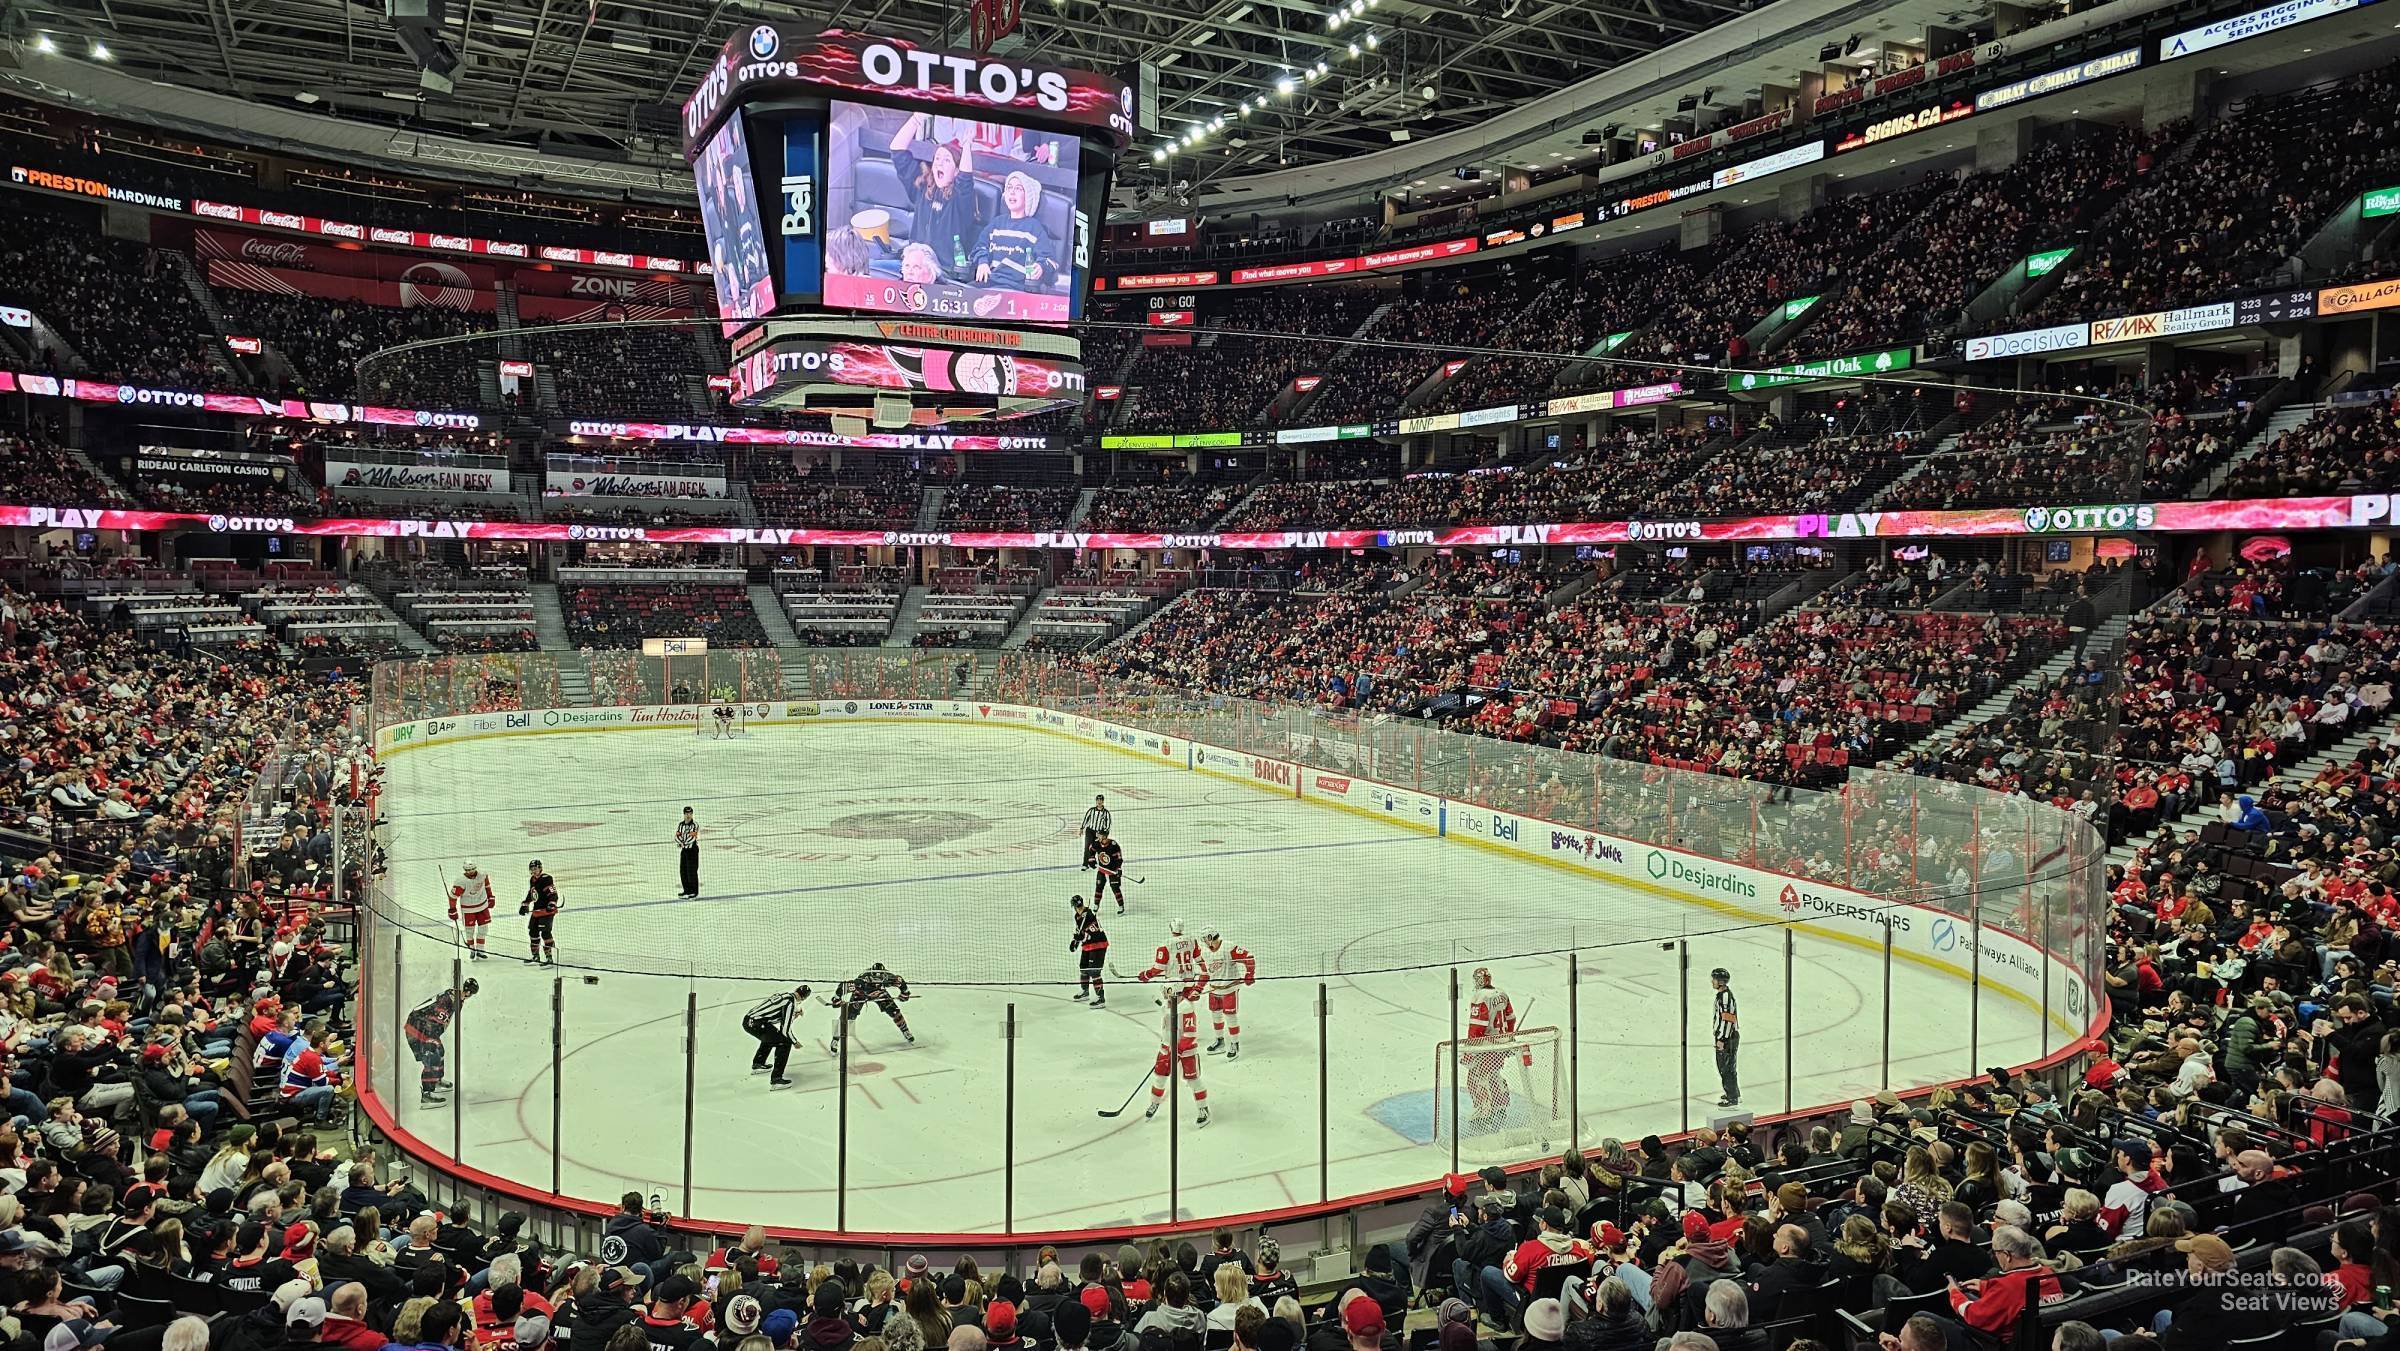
1230 967
1179 956
471 904
1179 1039
1491 1017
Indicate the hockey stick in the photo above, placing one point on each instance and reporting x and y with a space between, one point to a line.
457 939
1127 1105
1104 872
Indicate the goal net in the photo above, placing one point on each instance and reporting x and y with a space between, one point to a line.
710 724
1503 1098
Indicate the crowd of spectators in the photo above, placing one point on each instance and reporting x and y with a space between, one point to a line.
324 339
1000 506
621 615
867 497
1774 262
623 372
1418 335
121 304
1571 315
1230 381
2230 211
1174 503
40 469
1918 284
2349 447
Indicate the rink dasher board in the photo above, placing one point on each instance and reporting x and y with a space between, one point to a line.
1920 934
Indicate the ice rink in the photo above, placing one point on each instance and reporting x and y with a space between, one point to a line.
949 852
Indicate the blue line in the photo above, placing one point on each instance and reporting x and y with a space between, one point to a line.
995 872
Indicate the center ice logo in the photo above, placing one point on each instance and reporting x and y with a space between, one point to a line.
918 828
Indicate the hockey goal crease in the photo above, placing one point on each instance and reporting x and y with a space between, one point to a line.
1503 1098
706 725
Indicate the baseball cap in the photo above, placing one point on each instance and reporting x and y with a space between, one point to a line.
2214 1253
1695 1224
309 1312
779 1326
1000 1318
1608 1235
2137 1152
74 1333
1094 1301
291 1292
1363 1317
534 1330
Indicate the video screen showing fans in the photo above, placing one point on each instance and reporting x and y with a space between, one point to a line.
946 216
737 246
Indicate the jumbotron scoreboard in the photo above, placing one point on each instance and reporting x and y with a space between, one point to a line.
900 234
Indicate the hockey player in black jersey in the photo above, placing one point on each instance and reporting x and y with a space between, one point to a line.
1108 870
770 1021
875 985
1090 944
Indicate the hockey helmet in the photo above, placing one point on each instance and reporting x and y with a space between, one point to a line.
1175 927
1721 974
1209 933
1483 975
876 967
468 868
470 987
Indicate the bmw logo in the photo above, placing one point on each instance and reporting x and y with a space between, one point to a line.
217 523
424 418
124 394
2036 518
574 531
764 42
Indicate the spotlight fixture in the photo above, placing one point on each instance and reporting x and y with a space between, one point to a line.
1372 41
1333 21
44 45
100 51
1354 49
1158 157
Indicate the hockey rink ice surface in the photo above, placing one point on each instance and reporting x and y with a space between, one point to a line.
949 852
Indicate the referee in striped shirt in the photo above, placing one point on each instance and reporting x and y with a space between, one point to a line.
687 844
1095 825
1725 1032
770 1021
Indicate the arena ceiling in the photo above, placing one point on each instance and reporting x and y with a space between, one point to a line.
602 77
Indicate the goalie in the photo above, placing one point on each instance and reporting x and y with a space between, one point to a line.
722 715
1491 1017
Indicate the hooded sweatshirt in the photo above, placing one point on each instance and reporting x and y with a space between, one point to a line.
827 1334
2247 815
1546 1249
1706 1260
